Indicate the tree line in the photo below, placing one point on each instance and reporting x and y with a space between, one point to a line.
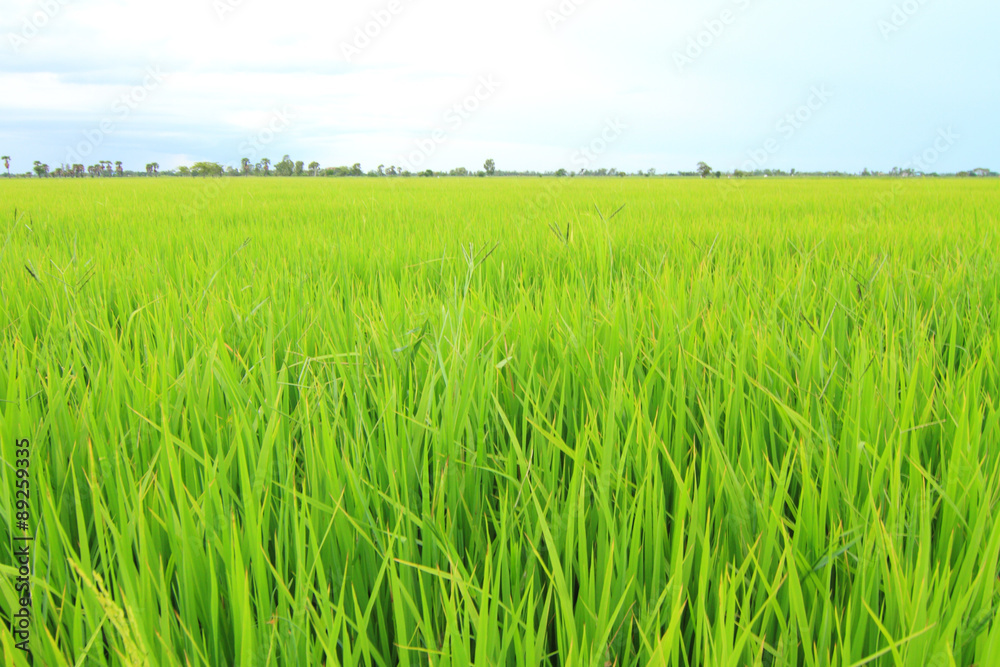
287 167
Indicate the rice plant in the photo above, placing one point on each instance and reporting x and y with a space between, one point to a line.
503 422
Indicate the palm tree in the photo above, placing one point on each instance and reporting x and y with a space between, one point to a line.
118 168
6 163
156 169
314 167
245 164
149 169
267 163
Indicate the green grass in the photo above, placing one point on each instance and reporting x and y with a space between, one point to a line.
319 422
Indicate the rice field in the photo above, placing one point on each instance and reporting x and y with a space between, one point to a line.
598 422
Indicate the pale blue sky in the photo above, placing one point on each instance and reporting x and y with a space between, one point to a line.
538 85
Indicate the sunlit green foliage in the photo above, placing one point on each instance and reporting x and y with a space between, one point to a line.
337 421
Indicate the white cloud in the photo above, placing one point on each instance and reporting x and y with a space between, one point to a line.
230 68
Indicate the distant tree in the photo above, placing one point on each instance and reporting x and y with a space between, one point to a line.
6 164
651 172
427 173
266 163
561 172
381 170
245 165
718 174
206 169
459 171
149 169
314 167
490 166
40 169
118 168
356 169
299 167
156 169
184 171
704 169
285 167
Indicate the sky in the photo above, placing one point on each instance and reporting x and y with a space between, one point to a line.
535 85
